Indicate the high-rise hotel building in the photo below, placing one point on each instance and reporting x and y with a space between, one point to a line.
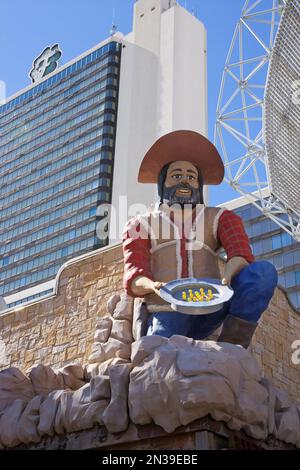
270 242
74 139
56 165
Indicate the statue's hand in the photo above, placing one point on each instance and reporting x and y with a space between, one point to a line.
142 285
157 286
233 267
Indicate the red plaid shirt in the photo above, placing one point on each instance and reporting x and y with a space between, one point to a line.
231 235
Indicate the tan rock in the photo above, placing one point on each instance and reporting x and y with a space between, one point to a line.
9 420
103 330
140 319
112 302
124 308
27 427
14 385
100 387
115 417
122 330
48 410
179 380
93 370
72 375
287 422
76 411
271 390
143 347
113 348
44 380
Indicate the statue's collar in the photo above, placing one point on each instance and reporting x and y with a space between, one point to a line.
167 211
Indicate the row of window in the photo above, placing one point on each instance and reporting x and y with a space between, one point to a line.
48 119
53 190
272 243
110 47
261 227
39 276
33 141
295 298
95 123
285 260
34 170
248 212
32 212
54 103
44 232
30 279
39 248
44 181
289 279
56 213
73 119
53 228
281 240
31 297
37 157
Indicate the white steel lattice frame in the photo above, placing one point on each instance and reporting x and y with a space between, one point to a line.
237 167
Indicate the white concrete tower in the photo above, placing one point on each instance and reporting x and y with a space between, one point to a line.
163 87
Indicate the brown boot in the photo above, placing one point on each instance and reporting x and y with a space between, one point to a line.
237 331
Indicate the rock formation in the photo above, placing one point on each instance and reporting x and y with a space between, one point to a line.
170 382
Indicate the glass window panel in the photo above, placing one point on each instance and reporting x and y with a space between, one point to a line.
282 280
294 298
267 245
296 256
288 259
258 248
286 239
290 279
276 242
278 261
5 261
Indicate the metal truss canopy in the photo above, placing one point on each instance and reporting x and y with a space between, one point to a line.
257 130
282 110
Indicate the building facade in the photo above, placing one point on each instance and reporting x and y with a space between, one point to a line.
270 242
74 140
56 165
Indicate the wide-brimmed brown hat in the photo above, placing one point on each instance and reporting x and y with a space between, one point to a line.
182 146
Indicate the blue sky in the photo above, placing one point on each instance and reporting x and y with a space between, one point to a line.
77 25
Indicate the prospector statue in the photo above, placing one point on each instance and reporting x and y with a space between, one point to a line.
181 238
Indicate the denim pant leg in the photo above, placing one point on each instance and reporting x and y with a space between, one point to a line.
253 288
192 326
204 325
168 324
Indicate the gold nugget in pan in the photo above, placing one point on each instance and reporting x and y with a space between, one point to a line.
194 295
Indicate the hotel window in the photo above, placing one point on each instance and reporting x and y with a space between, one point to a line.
93 211
286 239
276 242
297 274
5 261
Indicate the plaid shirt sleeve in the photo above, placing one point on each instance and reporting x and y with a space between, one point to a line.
136 250
232 236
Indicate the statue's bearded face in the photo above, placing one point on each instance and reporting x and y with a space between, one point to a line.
182 184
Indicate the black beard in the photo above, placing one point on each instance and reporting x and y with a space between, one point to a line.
170 197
